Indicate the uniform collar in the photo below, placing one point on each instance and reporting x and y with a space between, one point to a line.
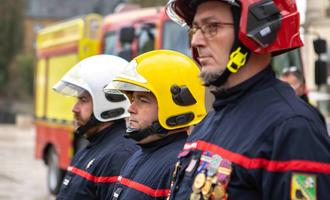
305 98
164 141
262 79
107 132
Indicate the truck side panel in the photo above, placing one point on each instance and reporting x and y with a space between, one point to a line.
59 106
40 89
61 135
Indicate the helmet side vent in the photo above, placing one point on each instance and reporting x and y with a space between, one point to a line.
182 96
112 113
264 21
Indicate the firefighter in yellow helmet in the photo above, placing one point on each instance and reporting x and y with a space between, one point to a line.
167 97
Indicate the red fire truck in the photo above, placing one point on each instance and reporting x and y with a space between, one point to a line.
131 33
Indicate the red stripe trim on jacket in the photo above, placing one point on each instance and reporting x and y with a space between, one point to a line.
92 178
254 163
144 188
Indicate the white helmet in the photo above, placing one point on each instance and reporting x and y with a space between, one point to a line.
93 74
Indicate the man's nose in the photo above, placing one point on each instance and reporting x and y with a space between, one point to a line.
197 39
131 109
75 108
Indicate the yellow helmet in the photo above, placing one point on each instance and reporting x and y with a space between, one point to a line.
174 80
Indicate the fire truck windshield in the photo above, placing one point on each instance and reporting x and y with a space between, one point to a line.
176 38
286 60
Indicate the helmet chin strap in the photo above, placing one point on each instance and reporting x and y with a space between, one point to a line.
139 134
221 80
238 58
92 122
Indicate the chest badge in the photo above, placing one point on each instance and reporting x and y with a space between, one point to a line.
213 175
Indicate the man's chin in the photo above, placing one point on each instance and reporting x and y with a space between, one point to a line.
209 76
77 124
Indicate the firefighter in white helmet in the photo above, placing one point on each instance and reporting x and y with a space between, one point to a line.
100 119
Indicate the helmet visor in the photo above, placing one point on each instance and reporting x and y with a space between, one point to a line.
170 11
182 11
68 89
112 87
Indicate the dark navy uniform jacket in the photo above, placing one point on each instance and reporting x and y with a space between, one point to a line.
147 174
272 145
95 169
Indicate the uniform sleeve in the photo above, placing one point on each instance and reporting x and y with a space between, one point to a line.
110 169
299 162
167 178
165 181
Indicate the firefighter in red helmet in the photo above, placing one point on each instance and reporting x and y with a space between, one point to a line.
260 141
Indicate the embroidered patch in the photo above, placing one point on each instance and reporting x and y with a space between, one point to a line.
66 181
303 186
90 163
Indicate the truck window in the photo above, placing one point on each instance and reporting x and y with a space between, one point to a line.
94 29
110 43
289 59
146 39
176 38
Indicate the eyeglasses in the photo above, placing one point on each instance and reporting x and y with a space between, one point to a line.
209 30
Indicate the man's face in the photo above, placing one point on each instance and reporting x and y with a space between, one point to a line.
213 52
143 110
83 109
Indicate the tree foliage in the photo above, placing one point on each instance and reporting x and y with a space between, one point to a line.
149 3
20 86
11 36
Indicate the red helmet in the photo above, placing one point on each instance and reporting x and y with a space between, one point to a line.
264 25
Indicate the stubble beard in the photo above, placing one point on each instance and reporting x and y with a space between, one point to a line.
210 76
77 121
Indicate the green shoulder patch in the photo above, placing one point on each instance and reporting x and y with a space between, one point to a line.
303 186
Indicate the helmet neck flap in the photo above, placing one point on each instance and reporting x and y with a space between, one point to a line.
92 122
139 134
